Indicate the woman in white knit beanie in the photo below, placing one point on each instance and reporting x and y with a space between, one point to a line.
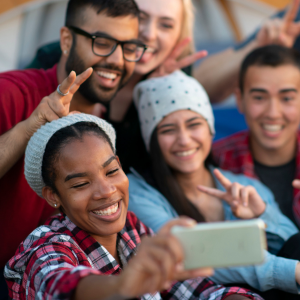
177 125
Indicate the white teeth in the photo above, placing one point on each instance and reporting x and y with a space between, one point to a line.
272 128
150 50
108 75
186 153
107 211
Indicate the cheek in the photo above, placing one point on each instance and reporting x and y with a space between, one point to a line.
253 111
165 143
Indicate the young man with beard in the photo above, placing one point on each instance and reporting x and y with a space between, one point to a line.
101 34
269 97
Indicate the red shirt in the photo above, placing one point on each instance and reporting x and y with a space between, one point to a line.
233 154
21 210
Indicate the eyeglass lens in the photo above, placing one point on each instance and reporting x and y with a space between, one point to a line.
104 46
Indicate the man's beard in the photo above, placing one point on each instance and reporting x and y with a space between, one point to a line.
88 88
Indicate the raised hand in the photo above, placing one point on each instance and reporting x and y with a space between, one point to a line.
281 31
171 64
244 201
157 263
55 105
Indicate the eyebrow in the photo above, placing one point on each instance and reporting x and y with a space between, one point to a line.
165 18
76 175
288 90
106 35
255 90
109 161
187 121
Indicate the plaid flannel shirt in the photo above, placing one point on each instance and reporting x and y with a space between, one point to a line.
55 257
233 154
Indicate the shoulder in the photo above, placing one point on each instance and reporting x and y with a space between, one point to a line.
31 80
231 143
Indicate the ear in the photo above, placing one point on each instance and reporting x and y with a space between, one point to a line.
239 100
51 197
66 40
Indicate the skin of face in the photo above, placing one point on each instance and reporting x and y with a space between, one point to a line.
97 88
160 28
88 179
271 105
185 141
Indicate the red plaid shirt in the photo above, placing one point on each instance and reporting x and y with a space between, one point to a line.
54 257
233 154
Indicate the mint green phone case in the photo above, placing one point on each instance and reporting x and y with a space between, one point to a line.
223 244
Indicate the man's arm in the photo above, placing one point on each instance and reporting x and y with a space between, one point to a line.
218 73
14 141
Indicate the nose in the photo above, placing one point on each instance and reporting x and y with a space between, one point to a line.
116 58
274 108
183 137
104 189
148 31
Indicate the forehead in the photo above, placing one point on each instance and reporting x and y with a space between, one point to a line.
179 116
121 28
272 77
161 8
80 155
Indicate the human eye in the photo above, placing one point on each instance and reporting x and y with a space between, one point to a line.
195 124
113 171
130 48
102 43
79 185
258 97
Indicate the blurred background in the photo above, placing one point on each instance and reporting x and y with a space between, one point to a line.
25 25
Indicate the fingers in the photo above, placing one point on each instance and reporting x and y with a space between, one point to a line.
291 13
296 184
187 274
211 191
183 221
189 60
226 183
81 78
178 49
67 83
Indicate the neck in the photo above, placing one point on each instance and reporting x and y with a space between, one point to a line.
273 157
109 243
189 182
78 103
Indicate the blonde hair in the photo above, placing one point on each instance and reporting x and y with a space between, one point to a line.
187 29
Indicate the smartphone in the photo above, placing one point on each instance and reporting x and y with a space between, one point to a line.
223 244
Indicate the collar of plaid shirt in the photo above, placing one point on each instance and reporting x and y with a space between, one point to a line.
233 154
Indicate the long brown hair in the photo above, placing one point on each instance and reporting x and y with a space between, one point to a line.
168 185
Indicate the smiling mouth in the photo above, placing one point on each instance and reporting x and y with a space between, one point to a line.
186 153
107 211
272 128
107 75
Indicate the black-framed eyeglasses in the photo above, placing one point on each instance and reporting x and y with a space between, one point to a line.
105 46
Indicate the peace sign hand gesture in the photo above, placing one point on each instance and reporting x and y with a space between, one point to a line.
57 104
171 64
281 31
244 201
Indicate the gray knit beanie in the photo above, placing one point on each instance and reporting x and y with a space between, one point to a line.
158 97
37 144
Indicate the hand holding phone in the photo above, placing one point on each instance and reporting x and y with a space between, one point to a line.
222 244
244 201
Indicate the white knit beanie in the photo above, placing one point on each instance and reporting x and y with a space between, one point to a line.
158 97
37 144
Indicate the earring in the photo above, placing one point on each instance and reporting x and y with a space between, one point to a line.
55 205
65 51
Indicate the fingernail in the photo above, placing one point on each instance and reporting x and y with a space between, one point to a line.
245 204
191 222
179 267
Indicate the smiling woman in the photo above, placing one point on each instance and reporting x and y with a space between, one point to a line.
72 163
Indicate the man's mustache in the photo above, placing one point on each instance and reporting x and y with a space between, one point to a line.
109 67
